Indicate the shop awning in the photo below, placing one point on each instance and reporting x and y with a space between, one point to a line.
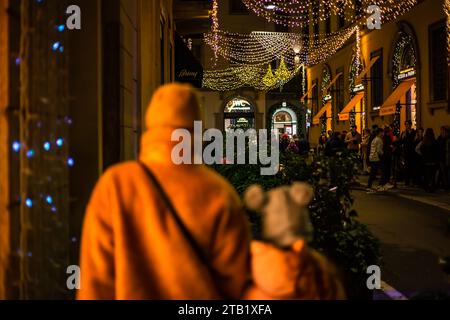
333 82
344 115
390 105
326 108
363 74
308 93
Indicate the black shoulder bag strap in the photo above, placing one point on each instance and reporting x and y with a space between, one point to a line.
176 216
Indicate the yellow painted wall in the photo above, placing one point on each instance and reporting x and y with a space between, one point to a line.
150 13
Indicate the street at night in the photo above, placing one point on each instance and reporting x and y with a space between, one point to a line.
414 237
267 152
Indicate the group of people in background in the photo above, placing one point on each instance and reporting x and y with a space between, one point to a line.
335 142
298 144
415 156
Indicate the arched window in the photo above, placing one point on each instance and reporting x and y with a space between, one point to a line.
284 120
282 116
404 59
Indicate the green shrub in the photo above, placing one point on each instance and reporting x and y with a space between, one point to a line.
337 233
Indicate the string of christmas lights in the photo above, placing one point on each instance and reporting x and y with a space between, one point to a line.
261 48
215 29
300 13
41 196
260 78
257 48
447 12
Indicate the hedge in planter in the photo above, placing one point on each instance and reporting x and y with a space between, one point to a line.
337 233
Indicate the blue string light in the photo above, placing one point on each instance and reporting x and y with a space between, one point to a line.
29 203
70 162
61 28
56 46
47 146
16 146
60 142
49 199
30 153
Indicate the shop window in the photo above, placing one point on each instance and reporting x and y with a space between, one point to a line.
438 62
341 17
376 78
315 98
340 90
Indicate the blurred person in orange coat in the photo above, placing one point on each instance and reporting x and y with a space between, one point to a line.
132 246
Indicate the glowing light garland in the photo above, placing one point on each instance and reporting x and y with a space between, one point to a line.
447 12
215 28
249 76
300 13
261 48
358 49
250 72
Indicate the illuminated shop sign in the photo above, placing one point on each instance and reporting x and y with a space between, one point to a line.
238 105
405 74
358 88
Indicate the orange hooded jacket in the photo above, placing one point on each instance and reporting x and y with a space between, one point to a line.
131 246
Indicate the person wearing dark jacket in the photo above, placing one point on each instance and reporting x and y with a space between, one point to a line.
442 155
386 161
430 155
303 145
334 145
408 151
418 163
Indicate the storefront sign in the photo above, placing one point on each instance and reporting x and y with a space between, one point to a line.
187 75
358 88
405 74
238 105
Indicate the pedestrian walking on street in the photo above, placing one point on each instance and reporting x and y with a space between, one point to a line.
386 161
334 145
353 139
155 230
365 150
293 147
418 162
442 143
303 145
408 151
375 157
322 145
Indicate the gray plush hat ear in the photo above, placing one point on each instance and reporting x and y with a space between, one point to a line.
301 193
254 198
